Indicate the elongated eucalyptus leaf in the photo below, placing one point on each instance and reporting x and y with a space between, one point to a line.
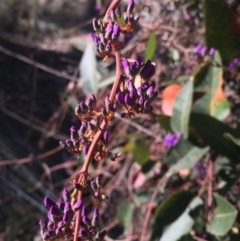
181 109
125 214
210 131
169 211
88 70
224 217
151 47
193 155
183 224
209 80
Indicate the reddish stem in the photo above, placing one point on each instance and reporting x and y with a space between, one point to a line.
97 136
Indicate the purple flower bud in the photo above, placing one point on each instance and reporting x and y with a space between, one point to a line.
105 137
200 170
82 129
147 71
113 16
60 205
95 217
66 218
83 107
55 211
146 104
203 51
104 112
86 220
136 18
126 67
76 143
77 206
67 207
47 235
82 233
63 145
96 26
60 224
130 86
98 182
42 224
130 7
128 100
94 185
109 31
85 149
78 110
50 225
123 114
108 104
139 91
198 48
65 195
150 91
141 101
211 51
84 211
48 202
119 154
120 98
101 47
93 37
51 217
70 144
58 231
116 31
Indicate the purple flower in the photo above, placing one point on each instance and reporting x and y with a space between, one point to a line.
130 7
116 31
200 170
172 140
211 51
126 67
120 98
147 71
48 202
65 194
198 48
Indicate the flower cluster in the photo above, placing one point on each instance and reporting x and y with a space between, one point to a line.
90 118
106 35
234 63
172 140
135 99
202 50
62 215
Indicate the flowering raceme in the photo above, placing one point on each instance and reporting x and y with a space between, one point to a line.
133 92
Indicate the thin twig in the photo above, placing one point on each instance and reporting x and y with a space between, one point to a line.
149 209
210 184
38 65
32 158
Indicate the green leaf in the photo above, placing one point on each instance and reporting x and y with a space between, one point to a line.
139 150
169 210
175 54
219 26
125 214
164 121
209 81
224 217
184 223
142 198
181 109
232 138
210 131
151 47
88 70
188 160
